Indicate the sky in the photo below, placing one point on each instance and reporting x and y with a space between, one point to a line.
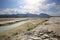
51 7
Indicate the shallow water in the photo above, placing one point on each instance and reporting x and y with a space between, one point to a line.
9 27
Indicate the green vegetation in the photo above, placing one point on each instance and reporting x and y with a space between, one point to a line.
29 29
14 34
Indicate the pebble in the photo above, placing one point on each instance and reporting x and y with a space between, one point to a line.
46 39
36 38
53 38
45 36
40 36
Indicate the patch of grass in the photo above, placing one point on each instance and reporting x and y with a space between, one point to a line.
46 23
14 34
35 23
29 29
29 26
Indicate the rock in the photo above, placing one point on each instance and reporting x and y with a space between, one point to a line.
28 33
41 33
30 39
35 34
53 38
46 39
45 36
35 38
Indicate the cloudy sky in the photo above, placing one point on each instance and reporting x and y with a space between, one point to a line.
51 7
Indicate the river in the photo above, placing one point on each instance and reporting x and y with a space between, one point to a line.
9 27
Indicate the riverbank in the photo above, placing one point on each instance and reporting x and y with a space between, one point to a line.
9 21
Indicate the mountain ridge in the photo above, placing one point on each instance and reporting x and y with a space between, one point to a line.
42 15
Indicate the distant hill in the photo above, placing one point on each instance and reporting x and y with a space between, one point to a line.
42 15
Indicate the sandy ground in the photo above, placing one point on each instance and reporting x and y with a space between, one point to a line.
52 25
4 21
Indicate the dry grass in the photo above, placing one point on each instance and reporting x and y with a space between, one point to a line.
7 21
34 22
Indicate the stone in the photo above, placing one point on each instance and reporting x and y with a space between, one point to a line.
45 36
41 33
46 39
30 39
53 38
28 33
35 38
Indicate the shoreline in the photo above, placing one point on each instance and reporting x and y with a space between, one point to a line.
11 22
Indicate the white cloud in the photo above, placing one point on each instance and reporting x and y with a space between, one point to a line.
36 6
33 6
8 11
55 13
